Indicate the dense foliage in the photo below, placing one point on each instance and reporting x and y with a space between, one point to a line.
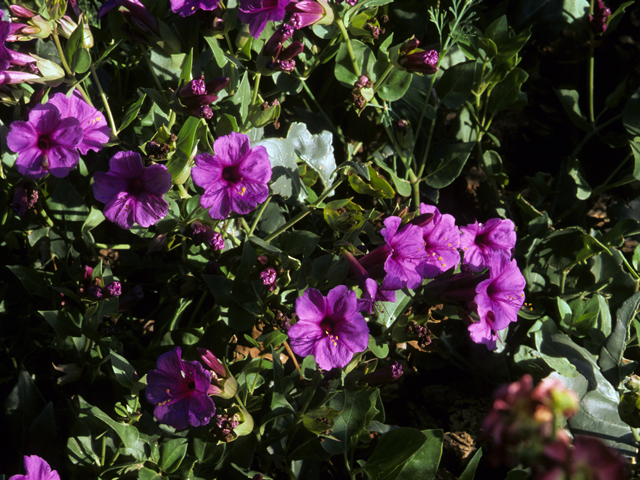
308 239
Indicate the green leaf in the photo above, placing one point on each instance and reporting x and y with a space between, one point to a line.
242 97
448 169
125 373
574 170
62 323
67 204
377 188
379 348
127 433
470 470
389 311
610 360
315 150
218 53
403 187
132 113
285 180
365 59
354 408
81 60
635 149
507 94
180 164
33 281
172 453
187 65
454 87
570 102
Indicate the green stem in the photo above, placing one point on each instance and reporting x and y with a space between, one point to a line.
183 192
424 110
630 268
415 187
423 163
380 82
256 85
63 58
255 380
592 133
195 312
156 80
352 55
104 101
305 211
259 213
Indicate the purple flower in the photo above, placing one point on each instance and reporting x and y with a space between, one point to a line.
178 389
401 255
416 60
235 178
258 12
441 239
329 328
268 277
95 291
205 234
131 192
136 11
24 198
114 289
599 18
383 375
274 45
189 7
308 12
498 300
94 126
47 143
480 242
37 469
197 96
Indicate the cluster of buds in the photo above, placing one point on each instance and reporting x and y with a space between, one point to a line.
94 288
598 21
421 331
201 233
268 277
224 426
525 426
416 60
309 12
279 57
357 96
160 151
26 25
281 321
223 384
24 198
197 95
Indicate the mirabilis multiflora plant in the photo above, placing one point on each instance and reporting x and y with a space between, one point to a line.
231 247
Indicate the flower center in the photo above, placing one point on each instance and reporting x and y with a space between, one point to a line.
135 186
327 327
43 142
232 174
191 385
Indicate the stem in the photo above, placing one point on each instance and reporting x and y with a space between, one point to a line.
352 55
630 268
104 101
259 213
63 59
424 109
306 211
382 78
183 192
594 132
195 312
591 69
255 88
293 357
156 80
255 380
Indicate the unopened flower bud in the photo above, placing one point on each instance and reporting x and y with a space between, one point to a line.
21 12
212 362
56 8
114 289
410 45
383 375
158 243
268 278
421 61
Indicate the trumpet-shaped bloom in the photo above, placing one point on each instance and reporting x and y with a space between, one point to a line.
131 192
329 328
498 300
47 143
94 126
178 389
37 469
258 12
479 242
235 178
441 239
188 7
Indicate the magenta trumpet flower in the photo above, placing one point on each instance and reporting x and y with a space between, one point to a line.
131 192
329 328
479 242
235 178
179 390
37 469
258 12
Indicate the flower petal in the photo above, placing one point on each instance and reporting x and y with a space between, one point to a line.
126 165
156 179
149 209
330 355
312 306
108 185
22 136
121 210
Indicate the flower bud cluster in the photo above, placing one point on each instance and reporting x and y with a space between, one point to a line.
525 427
197 95
416 60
